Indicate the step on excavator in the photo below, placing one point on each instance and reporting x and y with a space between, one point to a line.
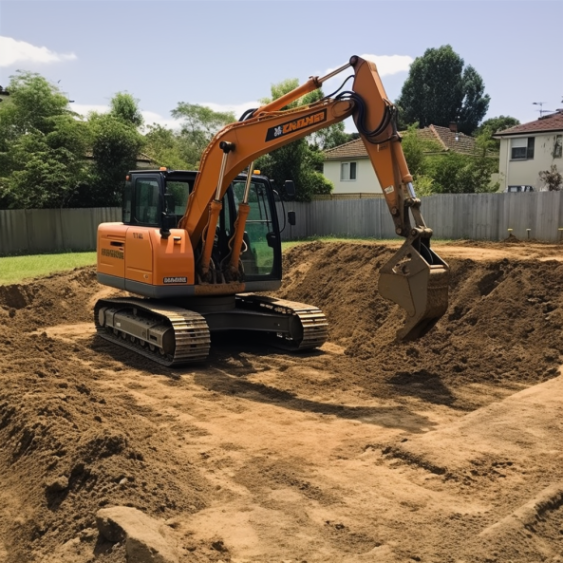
194 247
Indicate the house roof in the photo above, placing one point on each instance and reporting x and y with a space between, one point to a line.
546 123
441 135
351 149
141 157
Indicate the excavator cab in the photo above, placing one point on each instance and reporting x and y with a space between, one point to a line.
158 199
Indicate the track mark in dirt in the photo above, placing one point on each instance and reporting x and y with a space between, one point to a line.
68 332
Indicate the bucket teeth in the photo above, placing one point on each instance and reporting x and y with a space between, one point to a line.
417 284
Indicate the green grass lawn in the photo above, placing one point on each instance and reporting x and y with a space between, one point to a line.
14 269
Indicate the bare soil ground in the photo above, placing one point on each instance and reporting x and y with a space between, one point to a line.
447 449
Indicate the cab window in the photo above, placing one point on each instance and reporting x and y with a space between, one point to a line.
146 201
177 192
258 255
127 202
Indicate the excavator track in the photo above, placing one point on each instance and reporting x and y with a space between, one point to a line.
173 336
312 320
166 334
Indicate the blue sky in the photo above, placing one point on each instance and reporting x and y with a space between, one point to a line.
227 54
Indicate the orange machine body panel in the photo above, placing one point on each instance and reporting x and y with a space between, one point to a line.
172 257
140 254
111 249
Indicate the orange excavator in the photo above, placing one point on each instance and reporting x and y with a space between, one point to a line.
196 246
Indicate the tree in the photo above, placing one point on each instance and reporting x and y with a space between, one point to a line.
496 124
199 125
42 145
436 172
458 173
115 143
439 90
125 108
416 149
331 137
474 103
552 179
164 147
484 162
43 148
32 104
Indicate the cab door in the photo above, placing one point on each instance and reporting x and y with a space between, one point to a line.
261 256
146 203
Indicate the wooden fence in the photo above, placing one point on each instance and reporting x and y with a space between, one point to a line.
536 216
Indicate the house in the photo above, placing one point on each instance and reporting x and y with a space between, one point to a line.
143 161
528 149
349 168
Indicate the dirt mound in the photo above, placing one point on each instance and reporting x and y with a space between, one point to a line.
74 438
503 323
65 449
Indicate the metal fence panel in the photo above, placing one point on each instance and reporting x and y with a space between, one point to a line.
452 216
13 231
37 231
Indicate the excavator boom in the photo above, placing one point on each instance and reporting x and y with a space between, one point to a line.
416 278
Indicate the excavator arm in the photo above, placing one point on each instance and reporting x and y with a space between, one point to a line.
415 278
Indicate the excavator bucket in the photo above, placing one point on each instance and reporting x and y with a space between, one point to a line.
417 281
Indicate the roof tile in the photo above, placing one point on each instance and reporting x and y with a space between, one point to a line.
551 122
442 135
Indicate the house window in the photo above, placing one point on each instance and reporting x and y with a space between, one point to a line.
348 171
520 189
522 149
558 146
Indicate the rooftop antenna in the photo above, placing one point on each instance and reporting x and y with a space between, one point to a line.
541 110
539 104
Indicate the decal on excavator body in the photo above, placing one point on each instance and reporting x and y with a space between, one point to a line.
295 125
112 253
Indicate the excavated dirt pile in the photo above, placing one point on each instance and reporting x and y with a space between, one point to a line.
66 449
503 324
84 425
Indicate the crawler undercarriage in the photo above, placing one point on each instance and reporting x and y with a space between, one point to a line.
180 332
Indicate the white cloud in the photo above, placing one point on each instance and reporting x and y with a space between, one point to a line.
153 118
390 64
14 52
149 117
237 109
85 109
386 65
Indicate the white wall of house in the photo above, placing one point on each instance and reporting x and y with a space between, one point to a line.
366 181
525 171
